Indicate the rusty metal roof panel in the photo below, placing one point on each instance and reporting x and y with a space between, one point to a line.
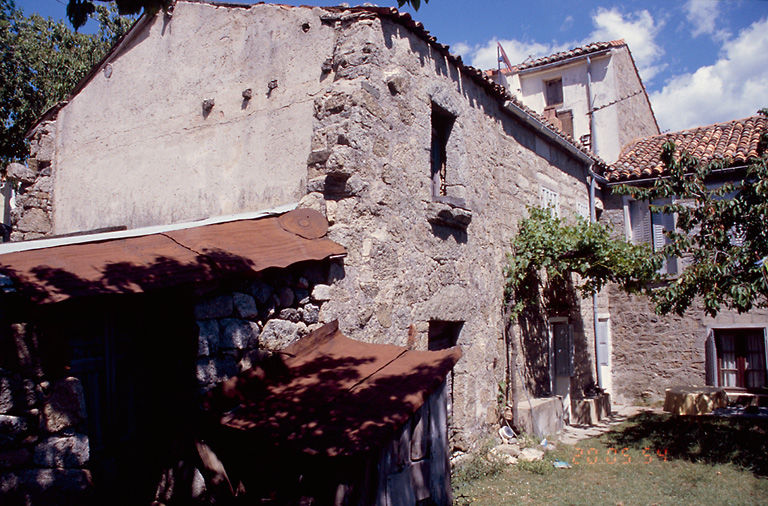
150 262
340 397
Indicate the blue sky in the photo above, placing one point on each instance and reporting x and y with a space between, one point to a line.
702 61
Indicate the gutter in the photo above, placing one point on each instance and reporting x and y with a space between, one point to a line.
595 319
608 183
592 138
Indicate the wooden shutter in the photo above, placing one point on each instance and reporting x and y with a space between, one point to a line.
563 342
603 351
710 360
640 222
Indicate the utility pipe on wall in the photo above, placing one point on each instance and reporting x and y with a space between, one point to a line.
590 112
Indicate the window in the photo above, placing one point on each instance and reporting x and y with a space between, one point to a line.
553 92
740 357
442 123
565 118
643 226
550 199
443 334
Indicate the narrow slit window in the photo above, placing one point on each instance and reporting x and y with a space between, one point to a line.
442 124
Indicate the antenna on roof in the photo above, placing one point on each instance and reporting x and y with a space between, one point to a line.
501 56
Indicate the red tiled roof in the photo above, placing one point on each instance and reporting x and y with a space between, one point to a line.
734 142
333 396
592 47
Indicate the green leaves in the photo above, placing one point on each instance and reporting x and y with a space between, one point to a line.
41 60
415 3
79 10
547 243
721 233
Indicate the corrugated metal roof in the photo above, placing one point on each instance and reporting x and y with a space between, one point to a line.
337 396
733 142
161 260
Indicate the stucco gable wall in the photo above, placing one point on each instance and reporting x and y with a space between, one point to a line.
135 148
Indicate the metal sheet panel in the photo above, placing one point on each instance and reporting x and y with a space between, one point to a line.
340 397
162 260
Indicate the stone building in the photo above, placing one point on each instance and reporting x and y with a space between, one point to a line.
593 92
421 166
649 352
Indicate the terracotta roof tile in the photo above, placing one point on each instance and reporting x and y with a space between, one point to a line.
734 142
592 47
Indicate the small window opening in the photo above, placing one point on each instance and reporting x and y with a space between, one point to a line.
443 334
442 123
553 92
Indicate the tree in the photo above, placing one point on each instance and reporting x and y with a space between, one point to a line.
547 243
721 233
79 10
41 60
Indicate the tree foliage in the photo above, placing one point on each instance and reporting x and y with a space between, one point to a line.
41 60
79 10
721 232
415 3
547 243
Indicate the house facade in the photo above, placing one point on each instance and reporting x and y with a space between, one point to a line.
650 352
593 93
421 166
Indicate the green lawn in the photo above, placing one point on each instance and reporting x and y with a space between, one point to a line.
650 459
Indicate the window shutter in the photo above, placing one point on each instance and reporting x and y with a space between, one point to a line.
640 221
603 352
710 359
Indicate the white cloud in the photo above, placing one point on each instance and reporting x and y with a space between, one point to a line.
639 30
703 14
736 85
484 56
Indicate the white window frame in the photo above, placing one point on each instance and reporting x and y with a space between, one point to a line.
550 199
711 355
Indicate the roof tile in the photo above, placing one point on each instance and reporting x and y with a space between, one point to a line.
734 142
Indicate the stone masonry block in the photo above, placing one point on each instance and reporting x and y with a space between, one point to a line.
216 307
237 334
70 451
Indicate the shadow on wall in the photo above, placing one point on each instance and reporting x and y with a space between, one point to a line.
559 298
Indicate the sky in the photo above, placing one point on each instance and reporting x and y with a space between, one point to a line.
702 61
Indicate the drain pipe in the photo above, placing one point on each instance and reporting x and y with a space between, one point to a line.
592 219
592 139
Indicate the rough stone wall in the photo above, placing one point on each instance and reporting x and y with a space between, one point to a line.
44 452
32 216
650 352
413 259
237 326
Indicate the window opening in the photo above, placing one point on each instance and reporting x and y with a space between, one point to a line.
741 357
442 124
443 335
553 92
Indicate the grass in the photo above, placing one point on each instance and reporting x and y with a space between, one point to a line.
651 459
